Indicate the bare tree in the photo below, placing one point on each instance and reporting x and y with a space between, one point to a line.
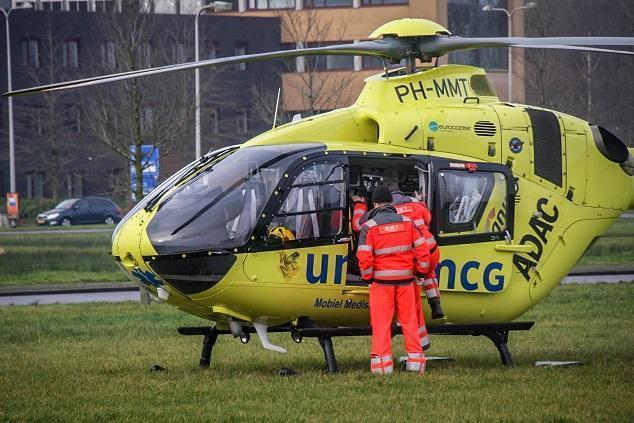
48 124
590 85
155 111
317 90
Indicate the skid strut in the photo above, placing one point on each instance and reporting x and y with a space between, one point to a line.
498 333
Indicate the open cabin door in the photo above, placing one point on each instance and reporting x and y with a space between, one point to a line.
473 224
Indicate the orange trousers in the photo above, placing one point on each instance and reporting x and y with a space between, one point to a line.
420 319
384 301
431 288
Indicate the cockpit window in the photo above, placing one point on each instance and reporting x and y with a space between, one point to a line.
157 193
219 207
314 205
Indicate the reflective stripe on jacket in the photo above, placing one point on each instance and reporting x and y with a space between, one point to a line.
391 249
418 213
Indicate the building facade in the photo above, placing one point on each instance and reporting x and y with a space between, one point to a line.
57 154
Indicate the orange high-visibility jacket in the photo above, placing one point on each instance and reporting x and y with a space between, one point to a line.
391 248
418 213
406 206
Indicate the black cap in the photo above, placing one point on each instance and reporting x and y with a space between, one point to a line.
381 194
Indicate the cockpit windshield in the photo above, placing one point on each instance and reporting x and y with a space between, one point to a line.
219 207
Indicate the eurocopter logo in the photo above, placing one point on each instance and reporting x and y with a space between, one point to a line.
434 126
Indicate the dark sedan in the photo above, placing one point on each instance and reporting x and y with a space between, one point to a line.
79 211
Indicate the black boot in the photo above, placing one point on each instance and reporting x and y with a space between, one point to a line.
436 309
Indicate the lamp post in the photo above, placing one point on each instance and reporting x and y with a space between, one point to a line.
509 15
10 100
216 6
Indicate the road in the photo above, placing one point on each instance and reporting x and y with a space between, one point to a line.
127 293
70 298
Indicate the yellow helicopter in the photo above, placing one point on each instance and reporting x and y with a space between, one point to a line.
257 237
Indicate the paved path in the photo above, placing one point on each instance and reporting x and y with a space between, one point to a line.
599 278
71 298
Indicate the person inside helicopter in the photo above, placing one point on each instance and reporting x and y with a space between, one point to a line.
365 176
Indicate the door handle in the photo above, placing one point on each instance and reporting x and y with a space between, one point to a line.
513 248
343 240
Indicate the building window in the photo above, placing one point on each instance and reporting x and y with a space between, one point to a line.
108 58
145 55
104 5
211 120
70 54
328 63
465 17
146 120
78 6
383 2
73 120
241 50
178 52
310 4
242 121
31 52
371 62
211 50
51 4
34 185
271 4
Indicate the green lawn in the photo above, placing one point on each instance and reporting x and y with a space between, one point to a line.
57 258
616 247
90 363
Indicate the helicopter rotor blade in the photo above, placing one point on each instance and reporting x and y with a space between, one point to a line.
389 47
577 48
441 45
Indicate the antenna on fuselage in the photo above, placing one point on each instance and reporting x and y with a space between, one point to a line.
277 103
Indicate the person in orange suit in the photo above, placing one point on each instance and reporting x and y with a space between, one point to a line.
391 253
417 211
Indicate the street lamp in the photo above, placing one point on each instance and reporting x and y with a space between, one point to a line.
7 13
216 6
509 15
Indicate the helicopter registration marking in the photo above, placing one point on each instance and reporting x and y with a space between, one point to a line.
445 87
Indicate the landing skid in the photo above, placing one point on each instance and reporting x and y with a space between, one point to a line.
498 333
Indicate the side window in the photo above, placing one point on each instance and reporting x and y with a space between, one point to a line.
314 205
471 203
95 204
81 205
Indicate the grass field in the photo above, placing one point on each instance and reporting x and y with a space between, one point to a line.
615 247
73 258
57 258
90 363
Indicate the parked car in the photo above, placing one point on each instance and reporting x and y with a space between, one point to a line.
79 211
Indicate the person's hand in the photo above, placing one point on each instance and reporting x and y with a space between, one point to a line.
356 198
418 195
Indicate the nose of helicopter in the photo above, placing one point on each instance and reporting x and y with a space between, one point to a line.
192 273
